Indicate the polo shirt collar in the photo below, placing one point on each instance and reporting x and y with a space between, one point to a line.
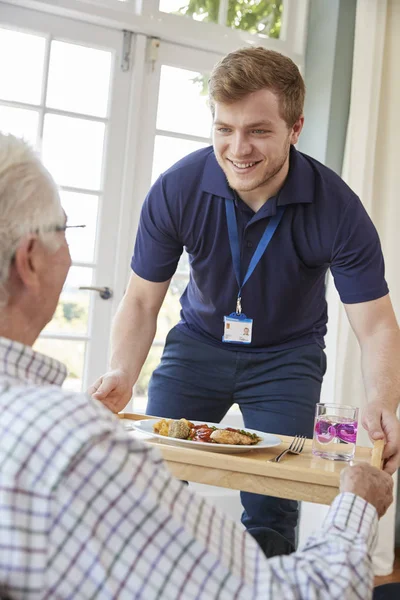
300 184
297 189
214 180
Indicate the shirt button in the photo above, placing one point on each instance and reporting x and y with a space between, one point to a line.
249 244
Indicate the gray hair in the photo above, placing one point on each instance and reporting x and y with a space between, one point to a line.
29 202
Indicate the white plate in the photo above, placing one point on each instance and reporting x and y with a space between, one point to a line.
267 439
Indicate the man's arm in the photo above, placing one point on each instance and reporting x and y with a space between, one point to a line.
133 331
378 334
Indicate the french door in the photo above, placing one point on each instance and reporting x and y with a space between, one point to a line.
62 88
109 112
177 121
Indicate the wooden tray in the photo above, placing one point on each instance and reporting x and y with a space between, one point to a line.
297 477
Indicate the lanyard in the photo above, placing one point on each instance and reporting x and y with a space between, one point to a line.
235 247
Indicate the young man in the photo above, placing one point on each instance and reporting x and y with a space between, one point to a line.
262 224
87 511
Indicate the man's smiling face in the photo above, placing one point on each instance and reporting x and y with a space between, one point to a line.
252 141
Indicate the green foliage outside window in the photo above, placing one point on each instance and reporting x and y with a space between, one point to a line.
72 311
254 16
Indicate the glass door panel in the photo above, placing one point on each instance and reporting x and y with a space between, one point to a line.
22 66
61 89
168 150
78 160
71 353
79 79
151 363
21 122
183 125
73 310
81 209
183 103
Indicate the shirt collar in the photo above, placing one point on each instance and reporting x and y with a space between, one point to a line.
297 189
214 180
299 184
23 364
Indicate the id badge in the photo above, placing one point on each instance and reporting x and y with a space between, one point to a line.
237 329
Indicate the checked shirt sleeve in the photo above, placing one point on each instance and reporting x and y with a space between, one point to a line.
334 564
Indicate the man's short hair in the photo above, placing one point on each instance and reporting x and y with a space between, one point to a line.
249 70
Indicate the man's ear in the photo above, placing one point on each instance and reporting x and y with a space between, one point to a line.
296 130
28 260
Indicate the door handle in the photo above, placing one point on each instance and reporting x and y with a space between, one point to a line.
105 293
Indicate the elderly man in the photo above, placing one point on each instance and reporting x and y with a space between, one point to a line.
87 511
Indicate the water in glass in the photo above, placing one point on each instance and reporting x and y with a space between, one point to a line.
335 436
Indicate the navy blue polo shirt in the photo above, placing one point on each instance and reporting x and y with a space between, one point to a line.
324 226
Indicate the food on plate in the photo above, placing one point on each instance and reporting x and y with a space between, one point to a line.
173 428
179 429
185 430
227 436
161 427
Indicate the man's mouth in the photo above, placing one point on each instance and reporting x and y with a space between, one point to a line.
243 166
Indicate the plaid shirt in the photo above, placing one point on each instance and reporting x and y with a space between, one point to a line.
88 511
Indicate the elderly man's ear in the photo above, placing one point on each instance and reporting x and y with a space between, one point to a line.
29 262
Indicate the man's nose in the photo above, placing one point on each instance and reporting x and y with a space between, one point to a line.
241 145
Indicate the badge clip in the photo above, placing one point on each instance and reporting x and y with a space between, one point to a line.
239 306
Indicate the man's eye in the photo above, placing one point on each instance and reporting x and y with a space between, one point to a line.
260 131
223 129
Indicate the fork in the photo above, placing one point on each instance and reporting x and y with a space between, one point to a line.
296 447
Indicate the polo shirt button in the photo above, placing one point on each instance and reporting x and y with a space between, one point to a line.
249 244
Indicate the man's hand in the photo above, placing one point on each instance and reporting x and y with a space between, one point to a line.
114 390
375 486
378 334
381 423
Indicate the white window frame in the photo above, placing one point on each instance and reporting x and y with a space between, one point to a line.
143 16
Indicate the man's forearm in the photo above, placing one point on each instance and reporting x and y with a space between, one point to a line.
133 331
380 366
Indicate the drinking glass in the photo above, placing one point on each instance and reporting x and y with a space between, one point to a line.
335 431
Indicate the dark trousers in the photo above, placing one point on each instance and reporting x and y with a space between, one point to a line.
276 393
389 591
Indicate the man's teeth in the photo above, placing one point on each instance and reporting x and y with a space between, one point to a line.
243 165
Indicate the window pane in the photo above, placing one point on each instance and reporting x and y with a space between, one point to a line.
204 10
73 151
20 122
21 66
140 391
72 313
71 354
79 79
169 314
256 16
81 209
168 150
182 102
183 265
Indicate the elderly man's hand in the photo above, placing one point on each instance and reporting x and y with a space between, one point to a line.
375 486
381 423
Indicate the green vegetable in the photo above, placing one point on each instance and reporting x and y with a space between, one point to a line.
253 436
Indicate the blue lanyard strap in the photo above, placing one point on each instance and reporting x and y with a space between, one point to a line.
234 241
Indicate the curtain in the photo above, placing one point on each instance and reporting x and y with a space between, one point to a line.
371 169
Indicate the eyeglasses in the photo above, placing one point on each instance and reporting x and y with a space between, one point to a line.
63 227
51 228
